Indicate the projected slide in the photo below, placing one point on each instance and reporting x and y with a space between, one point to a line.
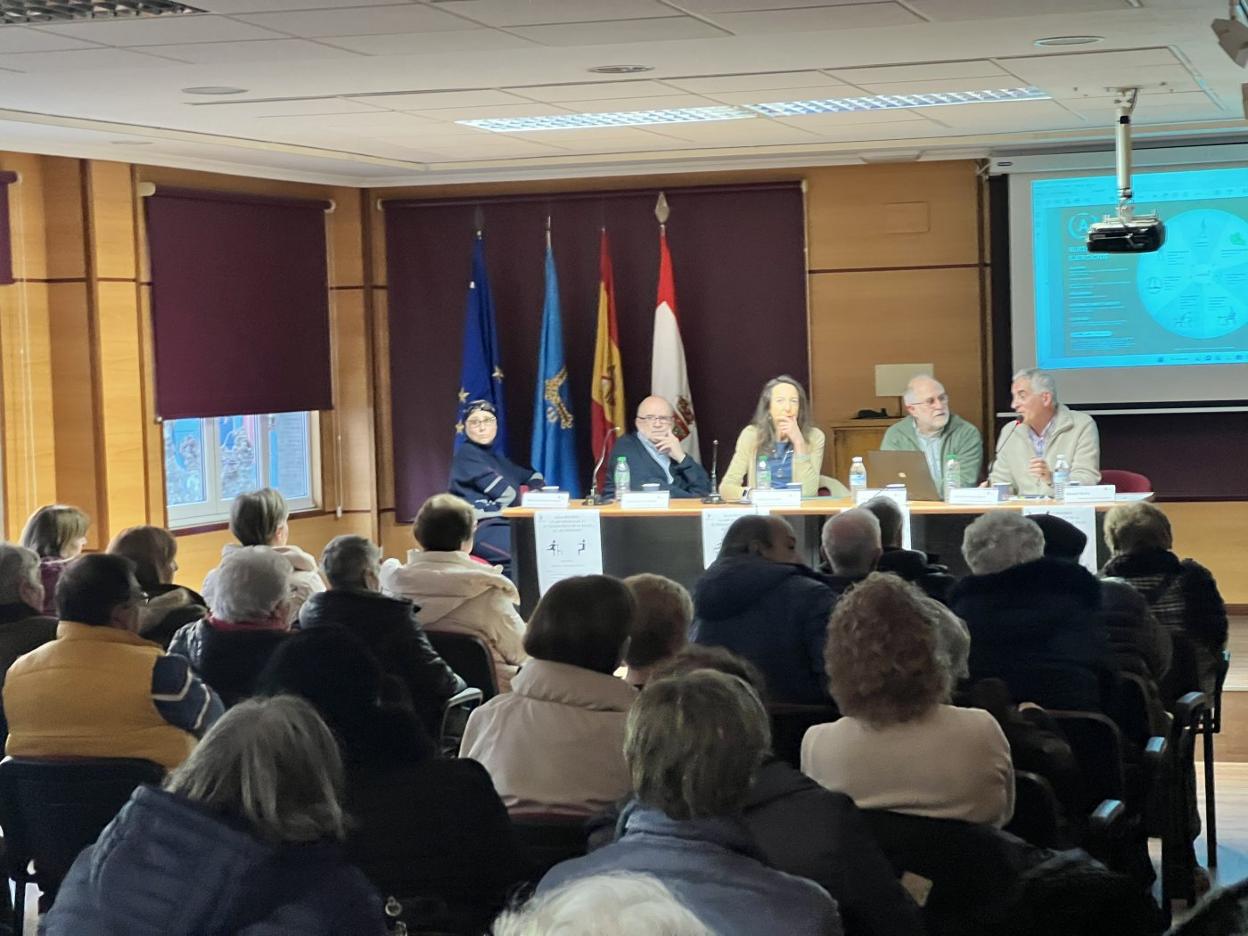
1185 304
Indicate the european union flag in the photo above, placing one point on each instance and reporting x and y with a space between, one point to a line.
480 377
554 444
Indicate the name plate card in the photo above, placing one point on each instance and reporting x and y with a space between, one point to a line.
1089 494
545 500
776 497
645 500
975 496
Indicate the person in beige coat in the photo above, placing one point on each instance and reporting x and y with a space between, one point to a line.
1028 448
455 592
261 518
555 743
782 435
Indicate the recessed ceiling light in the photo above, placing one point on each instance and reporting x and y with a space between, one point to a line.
620 69
214 89
608 119
1068 41
896 101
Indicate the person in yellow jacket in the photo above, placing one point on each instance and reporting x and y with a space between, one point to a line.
99 689
781 434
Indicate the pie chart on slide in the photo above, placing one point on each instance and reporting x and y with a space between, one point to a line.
1196 286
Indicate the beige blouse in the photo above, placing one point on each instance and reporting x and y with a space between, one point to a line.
806 468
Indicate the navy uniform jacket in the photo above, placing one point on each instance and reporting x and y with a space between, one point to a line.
689 479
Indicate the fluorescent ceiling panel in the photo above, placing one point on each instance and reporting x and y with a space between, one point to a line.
609 119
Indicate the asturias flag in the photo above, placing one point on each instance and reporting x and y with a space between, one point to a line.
668 377
607 392
554 443
480 376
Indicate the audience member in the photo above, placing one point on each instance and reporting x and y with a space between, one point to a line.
911 564
387 626
22 626
900 746
243 839
759 600
250 617
57 533
262 518
618 904
851 543
810 832
422 826
100 690
1034 621
661 628
684 826
454 591
154 550
553 744
1181 593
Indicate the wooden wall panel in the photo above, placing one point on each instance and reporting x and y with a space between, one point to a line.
122 417
1216 535
384 434
112 220
346 238
353 412
878 216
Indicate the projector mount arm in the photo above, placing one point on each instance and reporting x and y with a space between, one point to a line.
1125 102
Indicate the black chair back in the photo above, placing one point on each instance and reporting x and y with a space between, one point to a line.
550 839
1037 815
51 809
1098 747
468 655
789 723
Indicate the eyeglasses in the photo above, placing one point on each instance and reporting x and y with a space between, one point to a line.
480 422
932 401
657 420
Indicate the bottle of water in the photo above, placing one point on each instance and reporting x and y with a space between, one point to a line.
952 479
857 475
762 478
622 479
1061 476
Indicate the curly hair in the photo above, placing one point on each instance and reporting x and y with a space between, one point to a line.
883 656
1137 526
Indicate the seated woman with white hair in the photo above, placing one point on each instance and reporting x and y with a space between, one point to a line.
250 617
243 838
1034 620
618 904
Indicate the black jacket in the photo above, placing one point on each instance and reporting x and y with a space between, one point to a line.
814 833
389 629
775 614
689 479
1037 627
169 609
22 629
229 661
915 566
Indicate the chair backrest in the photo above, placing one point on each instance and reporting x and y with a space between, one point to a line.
1098 747
550 839
1127 482
1184 673
52 809
468 655
1037 815
789 723
1139 713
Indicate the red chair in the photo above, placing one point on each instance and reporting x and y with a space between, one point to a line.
1127 482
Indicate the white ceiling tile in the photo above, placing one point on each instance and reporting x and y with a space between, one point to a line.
774 95
358 21
328 105
595 90
274 6
638 104
414 43
752 132
714 84
617 31
1008 117
373 121
82 60
161 30
944 85
262 50
930 71
1152 108
820 123
1075 75
947 10
529 109
815 19
541 12
745 6
21 39
432 100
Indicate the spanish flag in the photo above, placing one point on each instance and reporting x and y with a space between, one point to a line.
607 393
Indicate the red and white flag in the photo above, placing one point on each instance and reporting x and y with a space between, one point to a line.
668 377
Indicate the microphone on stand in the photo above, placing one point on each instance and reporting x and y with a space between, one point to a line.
1005 436
594 498
714 497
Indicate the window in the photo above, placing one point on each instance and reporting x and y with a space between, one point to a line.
208 462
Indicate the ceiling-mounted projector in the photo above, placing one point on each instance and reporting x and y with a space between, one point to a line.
1123 232
1233 36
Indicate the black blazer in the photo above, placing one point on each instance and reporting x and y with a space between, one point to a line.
689 479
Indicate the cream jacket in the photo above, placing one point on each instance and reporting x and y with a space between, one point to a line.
305 582
456 593
1073 435
555 743
744 464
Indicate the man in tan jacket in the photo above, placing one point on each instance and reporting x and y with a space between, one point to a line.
1028 449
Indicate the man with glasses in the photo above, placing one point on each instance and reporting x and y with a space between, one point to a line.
931 428
655 455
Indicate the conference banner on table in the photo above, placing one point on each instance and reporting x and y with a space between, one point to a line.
481 377
606 410
553 452
669 377
569 542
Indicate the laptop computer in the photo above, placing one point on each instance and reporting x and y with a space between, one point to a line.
908 468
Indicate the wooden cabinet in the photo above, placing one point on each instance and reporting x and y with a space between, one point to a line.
849 437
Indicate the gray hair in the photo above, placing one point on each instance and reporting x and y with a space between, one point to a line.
851 541
953 639
999 540
346 560
256 517
674 743
272 763
910 396
621 903
1040 381
1137 526
250 584
885 510
18 566
664 613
